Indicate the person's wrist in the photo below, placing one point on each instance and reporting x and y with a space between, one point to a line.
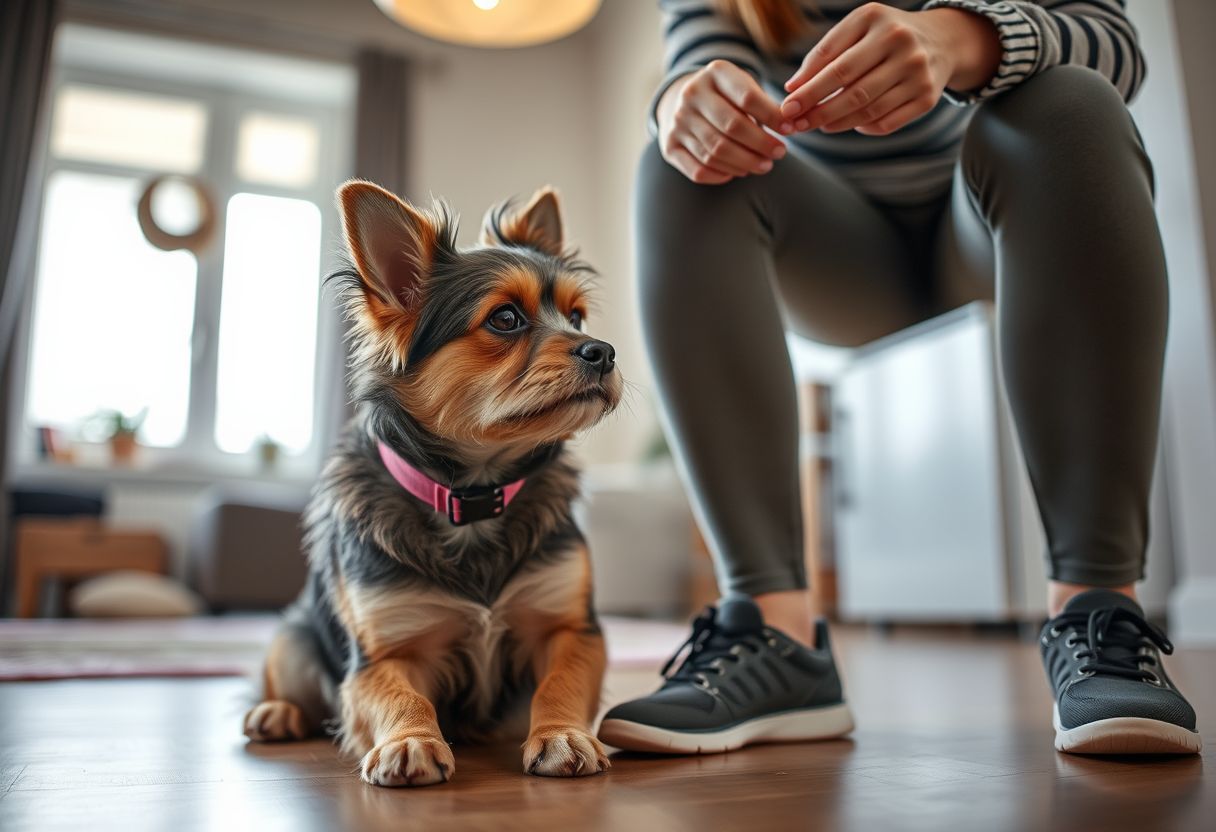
972 44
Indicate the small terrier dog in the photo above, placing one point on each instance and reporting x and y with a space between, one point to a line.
447 578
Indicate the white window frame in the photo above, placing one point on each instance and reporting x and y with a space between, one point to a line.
197 457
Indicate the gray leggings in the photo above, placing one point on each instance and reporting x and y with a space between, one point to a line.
1053 197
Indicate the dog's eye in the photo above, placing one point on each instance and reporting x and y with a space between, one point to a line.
506 319
576 320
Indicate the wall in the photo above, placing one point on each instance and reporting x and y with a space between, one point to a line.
1177 117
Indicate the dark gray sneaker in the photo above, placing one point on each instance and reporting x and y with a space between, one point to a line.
740 682
1103 661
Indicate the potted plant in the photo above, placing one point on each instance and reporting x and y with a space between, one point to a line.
121 432
268 452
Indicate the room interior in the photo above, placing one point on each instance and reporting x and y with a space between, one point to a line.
169 176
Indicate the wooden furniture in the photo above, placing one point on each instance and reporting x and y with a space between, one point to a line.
77 548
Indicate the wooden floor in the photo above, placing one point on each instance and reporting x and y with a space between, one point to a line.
954 734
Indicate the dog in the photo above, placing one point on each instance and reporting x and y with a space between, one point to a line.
448 581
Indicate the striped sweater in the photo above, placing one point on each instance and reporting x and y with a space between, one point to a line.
914 165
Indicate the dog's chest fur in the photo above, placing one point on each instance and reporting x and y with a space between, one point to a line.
467 607
470 657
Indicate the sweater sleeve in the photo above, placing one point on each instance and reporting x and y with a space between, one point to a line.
694 34
1045 33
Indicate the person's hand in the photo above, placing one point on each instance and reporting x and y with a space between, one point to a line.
711 125
888 67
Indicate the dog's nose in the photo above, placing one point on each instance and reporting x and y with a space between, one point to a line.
598 354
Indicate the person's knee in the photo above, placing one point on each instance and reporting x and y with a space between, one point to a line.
1065 129
1061 112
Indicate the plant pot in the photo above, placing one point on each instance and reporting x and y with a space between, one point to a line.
268 455
122 447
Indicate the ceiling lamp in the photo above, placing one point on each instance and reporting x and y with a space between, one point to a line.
492 23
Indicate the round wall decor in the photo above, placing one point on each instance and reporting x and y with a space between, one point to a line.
195 239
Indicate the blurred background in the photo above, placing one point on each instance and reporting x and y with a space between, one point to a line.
173 371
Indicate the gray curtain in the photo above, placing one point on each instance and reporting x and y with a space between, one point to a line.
380 120
26 28
25 51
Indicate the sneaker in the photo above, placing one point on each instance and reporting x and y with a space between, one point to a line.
739 682
1112 695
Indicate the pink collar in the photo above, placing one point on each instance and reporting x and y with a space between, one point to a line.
461 505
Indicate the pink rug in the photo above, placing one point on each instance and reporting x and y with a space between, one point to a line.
41 650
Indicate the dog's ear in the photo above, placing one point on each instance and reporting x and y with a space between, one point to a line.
392 242
537 225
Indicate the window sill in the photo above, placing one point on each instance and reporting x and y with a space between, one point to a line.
45 473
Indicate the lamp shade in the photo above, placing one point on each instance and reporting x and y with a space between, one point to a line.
492 23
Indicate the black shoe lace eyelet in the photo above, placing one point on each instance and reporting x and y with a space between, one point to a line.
1076 655
1154 679
1071 641
1054 632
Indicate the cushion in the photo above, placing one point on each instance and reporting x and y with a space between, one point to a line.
131 594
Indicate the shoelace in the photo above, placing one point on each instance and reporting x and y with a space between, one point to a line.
703 653
1101 635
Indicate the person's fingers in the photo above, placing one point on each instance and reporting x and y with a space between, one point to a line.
851 65
740 128
686 163
742 90
879 108
701 153
726 154
900 116
718 151
837 39
861 96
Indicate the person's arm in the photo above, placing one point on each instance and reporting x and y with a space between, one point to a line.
1045 33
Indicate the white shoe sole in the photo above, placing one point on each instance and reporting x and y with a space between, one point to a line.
791 726
1125 735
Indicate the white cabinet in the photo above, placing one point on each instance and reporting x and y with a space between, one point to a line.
935 519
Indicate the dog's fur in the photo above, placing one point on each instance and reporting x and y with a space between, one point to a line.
412 629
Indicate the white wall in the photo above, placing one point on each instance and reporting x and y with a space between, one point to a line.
1177 117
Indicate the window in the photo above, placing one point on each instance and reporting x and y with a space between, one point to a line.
218 348
95 344
268 322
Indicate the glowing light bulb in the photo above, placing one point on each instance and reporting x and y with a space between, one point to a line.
486 5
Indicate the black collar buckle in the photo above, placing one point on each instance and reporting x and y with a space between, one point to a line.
468 505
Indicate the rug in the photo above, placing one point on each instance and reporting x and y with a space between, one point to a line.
229 645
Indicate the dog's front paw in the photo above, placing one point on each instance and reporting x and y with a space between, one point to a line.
563 752
274 720
408 761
